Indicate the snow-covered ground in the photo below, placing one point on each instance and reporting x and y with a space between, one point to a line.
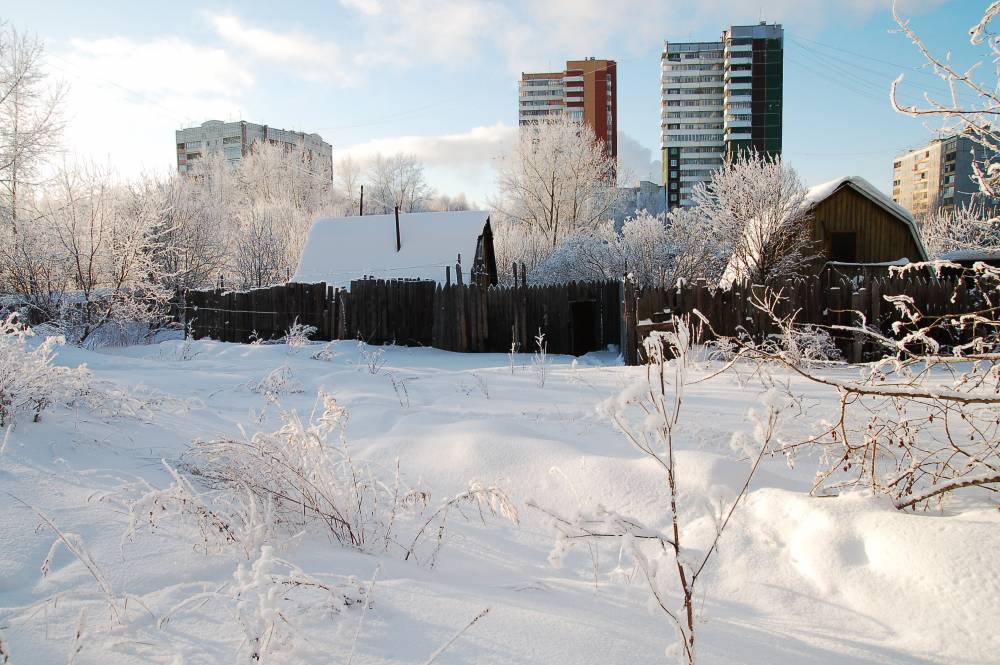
797 579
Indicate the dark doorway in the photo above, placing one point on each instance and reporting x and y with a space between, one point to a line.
844 247
584 322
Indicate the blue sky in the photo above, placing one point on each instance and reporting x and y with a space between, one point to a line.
439 78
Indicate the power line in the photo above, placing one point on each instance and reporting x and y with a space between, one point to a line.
838 64
919 70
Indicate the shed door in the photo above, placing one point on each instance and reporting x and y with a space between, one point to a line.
844 247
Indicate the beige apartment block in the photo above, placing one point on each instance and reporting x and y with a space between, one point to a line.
939 175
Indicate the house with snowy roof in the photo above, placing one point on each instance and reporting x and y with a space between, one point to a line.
853 222
420 245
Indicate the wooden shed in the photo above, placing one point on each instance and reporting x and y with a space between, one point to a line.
855 223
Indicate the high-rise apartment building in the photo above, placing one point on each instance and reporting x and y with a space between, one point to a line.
938 175
718 99
236 139
587 91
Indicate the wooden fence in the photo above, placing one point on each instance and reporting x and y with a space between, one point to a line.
575 318
822 301
241 316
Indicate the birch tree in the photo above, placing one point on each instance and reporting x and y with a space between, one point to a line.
396 181
31 123
557 180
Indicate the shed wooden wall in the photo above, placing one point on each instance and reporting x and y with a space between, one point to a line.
881 236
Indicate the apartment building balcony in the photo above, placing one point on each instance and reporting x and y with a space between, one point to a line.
730 87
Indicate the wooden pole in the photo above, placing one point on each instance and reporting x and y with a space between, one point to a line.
398 243
361 206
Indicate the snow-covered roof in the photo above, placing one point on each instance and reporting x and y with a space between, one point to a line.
821 192
339 249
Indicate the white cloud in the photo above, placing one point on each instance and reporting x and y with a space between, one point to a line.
310 57
125 98
461 162
368 7
519 35
636 160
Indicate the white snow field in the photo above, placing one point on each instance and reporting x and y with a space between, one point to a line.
841 580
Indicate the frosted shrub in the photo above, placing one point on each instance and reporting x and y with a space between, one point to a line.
278 382
305 475
273 596
373 360
29 381
297 336
541 358
649 415
917 425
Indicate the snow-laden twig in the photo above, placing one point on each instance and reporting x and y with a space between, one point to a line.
444 647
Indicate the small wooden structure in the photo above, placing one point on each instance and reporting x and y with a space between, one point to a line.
854 223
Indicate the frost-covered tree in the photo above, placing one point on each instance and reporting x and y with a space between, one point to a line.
101 242
556 181
31 123
968 228
193 237
348 179
591 254
520 244
260 251
396 181
756 206
445 203
655 251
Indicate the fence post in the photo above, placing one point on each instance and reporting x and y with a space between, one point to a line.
629 343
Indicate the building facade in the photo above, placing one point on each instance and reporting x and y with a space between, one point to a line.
587 91
718 99
938 175
646 195
236 139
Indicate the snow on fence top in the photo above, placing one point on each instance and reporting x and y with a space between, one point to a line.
340 249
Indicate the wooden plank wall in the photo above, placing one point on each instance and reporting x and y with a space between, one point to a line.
267 313
472 318
454 317
814 301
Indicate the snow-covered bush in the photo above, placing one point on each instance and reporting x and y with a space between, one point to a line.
298 334
756 206
273 597
372 359
279 381
305 476
655 251
29 381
